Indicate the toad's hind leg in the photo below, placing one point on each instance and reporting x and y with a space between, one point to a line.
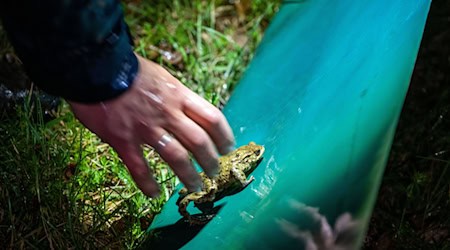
183 204
181 194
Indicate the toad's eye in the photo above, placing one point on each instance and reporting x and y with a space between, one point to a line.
258 151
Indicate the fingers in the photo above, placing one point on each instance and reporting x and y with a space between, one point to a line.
197 141
177 157
154 107
131 155
211 120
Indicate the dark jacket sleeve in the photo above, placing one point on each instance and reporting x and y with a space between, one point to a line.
78 49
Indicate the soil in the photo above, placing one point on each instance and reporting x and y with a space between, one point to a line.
413 207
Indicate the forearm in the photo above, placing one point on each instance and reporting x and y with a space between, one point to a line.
80 51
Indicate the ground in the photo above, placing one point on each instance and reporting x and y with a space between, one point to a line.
413 206
60 187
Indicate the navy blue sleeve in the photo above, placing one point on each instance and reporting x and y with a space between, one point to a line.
80 50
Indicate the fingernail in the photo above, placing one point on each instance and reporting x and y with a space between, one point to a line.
194 189
212 168
154 194
229 149
213 173
196 186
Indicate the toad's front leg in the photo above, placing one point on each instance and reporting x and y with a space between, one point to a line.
241 177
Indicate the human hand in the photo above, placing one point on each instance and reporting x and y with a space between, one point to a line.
155 108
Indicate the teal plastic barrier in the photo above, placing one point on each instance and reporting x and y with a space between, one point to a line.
323 94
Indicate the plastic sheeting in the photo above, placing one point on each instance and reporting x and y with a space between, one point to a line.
323 94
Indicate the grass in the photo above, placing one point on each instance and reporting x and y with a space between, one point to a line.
214 46
61 187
